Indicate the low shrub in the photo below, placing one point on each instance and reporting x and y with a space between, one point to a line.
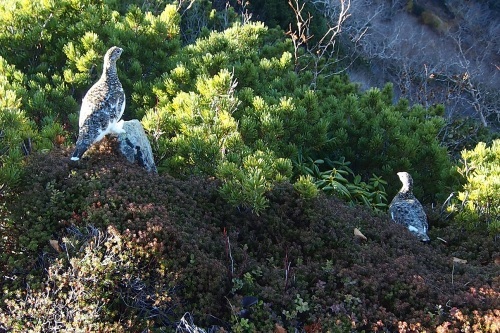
103 238
90 280
479 199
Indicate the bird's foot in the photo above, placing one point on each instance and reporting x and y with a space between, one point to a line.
118 128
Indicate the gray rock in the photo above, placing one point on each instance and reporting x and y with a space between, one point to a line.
135 146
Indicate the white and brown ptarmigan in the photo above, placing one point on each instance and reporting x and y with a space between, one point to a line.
405 209
102 106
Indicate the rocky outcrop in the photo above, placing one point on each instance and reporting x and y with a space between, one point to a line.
135 146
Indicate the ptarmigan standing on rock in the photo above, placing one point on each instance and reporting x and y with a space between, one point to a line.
102 106
405 209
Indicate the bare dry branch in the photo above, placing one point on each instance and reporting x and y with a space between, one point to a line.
322 56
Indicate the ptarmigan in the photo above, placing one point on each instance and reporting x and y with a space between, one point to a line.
405 209
102 106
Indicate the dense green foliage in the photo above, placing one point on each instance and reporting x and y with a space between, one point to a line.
51 53
340 180
211 106
59 47
479 197
18 134
219 101
239 95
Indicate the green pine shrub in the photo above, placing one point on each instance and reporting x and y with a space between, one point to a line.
246 186
382 138
479 198
240 94
306 187
59 47
226 96
17 131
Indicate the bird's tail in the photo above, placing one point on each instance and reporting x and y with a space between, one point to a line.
81 148
424 238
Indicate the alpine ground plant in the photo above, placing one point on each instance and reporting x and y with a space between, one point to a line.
336 178
140 250
90 279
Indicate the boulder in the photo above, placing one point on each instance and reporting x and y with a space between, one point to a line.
135 146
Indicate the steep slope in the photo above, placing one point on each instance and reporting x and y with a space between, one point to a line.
144 249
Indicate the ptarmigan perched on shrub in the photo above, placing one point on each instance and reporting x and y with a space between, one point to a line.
102 106
405 209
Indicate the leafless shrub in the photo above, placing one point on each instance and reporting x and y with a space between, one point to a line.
320 57
456 64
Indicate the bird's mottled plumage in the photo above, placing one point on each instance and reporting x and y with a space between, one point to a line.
405 209
102 106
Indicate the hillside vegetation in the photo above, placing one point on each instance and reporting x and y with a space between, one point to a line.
267 162
107 247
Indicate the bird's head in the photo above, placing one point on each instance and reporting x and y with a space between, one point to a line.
407 181
112 55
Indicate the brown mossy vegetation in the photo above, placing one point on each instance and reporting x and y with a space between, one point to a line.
136 251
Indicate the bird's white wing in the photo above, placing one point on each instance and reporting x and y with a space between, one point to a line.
419 213
411 214
85 111
121 100
95 100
